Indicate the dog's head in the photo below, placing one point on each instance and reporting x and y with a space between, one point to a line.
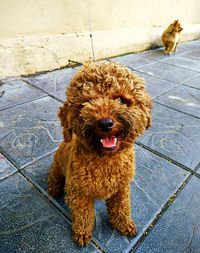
107 107
176 26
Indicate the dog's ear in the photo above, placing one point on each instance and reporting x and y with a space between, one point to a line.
64 115
148 111
149 120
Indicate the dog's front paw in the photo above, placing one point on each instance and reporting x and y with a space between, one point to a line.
126 228
82 239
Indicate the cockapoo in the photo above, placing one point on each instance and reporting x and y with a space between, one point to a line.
106 109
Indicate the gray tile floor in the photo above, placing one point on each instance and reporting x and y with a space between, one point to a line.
165 192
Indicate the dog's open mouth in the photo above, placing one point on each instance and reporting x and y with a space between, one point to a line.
109 142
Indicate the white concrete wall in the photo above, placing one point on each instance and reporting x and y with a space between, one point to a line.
38 35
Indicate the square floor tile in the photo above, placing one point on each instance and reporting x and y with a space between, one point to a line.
179 228
183 98
17 92
30 223
6 168
55 82
156 86
181 61
174 134
30 131
168 72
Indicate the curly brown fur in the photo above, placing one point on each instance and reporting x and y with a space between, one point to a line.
98 162
171 37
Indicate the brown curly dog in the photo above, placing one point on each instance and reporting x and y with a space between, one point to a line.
107 108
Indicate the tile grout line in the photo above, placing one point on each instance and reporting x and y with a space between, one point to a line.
196 168
190 86
191 58
164 61
38 159
182 166
6 155
6 177
170 107
181 85
12 106
46 92
167 205
19 168
165 78
153 98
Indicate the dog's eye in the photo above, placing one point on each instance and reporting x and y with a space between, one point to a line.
124 101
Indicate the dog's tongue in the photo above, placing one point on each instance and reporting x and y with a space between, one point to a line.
109 142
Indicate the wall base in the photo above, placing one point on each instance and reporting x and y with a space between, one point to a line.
29 55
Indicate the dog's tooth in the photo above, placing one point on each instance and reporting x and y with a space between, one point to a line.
115 141
101 140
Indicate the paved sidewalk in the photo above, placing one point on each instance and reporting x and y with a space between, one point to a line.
165 191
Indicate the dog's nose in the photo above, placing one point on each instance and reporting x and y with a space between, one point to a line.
105 124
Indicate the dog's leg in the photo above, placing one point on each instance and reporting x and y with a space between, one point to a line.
175 47
119 212
82 210
55 180
166 47
170 48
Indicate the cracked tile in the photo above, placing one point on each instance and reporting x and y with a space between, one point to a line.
32 224
155 181
6 168
168 72
55 82
17 92
178 230
30 131
175 135
183 98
